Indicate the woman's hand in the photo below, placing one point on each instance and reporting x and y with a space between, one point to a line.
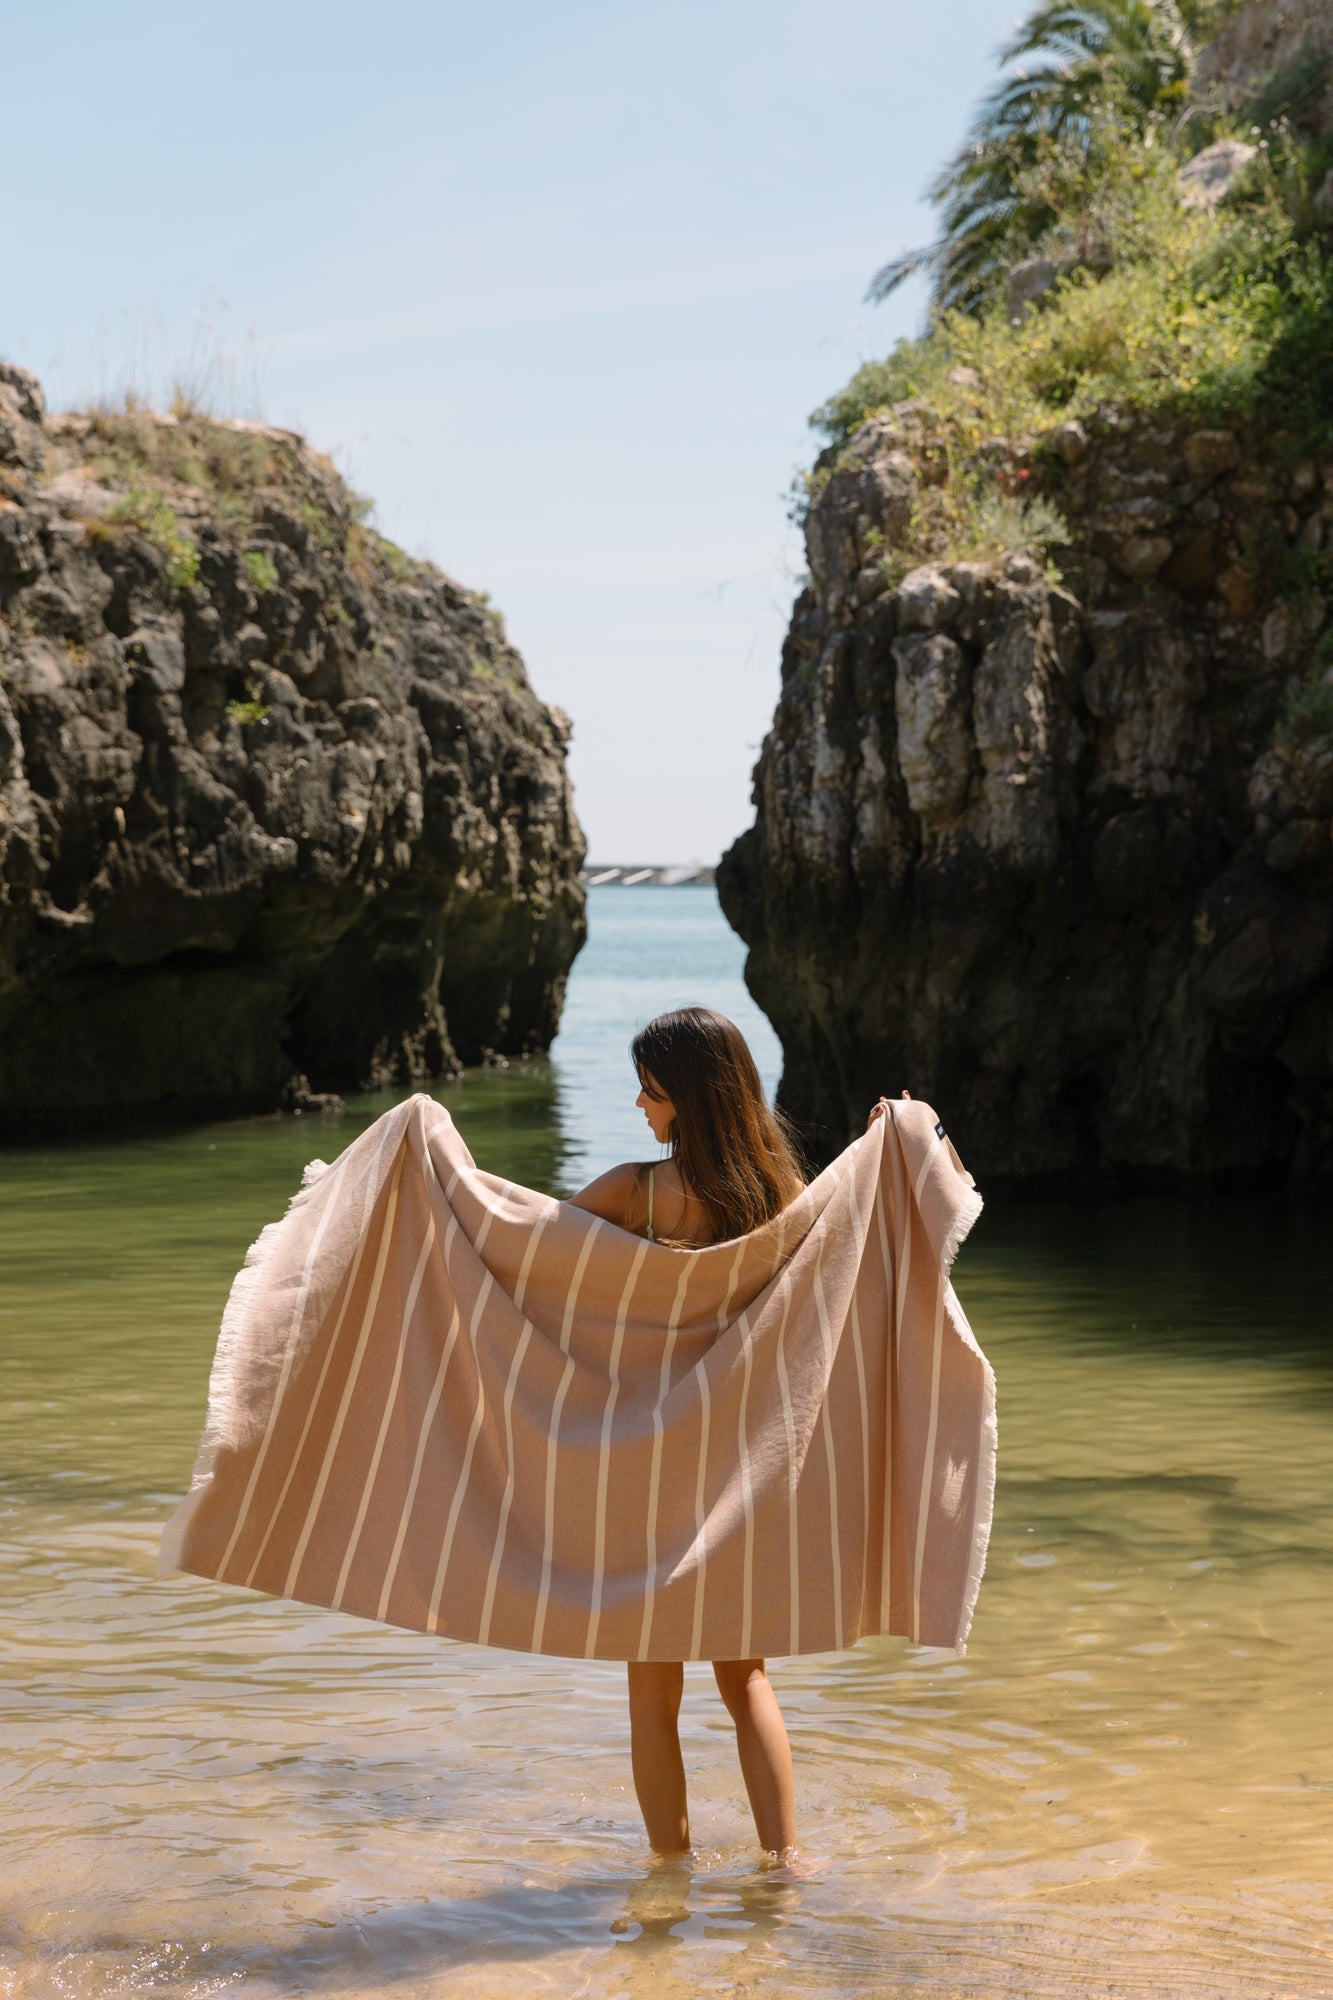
881 1109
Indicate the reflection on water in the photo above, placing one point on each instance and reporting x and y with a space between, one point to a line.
1125 1788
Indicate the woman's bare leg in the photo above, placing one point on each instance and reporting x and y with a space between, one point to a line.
659 1772
765 1754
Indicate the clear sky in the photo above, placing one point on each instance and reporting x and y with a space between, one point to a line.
557 286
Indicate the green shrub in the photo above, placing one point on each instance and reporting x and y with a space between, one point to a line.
253 710
326 531
1215 314
1291 94
1307 708
135 449
261 571
397 561
994 523
976 518
247 712
146 513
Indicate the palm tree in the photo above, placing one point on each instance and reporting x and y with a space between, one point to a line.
1078 64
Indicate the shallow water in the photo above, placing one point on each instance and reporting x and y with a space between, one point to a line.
1125 1787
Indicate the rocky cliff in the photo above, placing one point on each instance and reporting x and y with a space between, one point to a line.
276 801
1058 855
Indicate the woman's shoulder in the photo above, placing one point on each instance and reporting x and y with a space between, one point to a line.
616 1195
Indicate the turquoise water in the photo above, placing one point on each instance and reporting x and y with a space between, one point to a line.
1125 1788
650 950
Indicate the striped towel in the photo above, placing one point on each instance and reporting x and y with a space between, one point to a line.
454 1404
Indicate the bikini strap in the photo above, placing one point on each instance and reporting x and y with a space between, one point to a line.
651 1237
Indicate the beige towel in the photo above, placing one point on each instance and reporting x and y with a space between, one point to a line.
448 1402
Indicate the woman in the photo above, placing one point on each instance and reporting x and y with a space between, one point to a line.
397 1504
731 1169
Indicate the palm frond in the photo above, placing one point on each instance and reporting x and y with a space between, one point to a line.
898 269
1068 64
1092 27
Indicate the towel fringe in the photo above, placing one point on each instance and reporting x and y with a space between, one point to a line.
226 1360
969 1209
984 1510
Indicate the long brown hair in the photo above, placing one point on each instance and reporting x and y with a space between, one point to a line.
734 1154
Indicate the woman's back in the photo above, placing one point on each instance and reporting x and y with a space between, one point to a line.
672 1213
649 1198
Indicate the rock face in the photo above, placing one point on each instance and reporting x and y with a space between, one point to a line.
1207 179
1059 858
276 802
1263 40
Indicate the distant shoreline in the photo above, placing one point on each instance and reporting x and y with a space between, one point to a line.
644 875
